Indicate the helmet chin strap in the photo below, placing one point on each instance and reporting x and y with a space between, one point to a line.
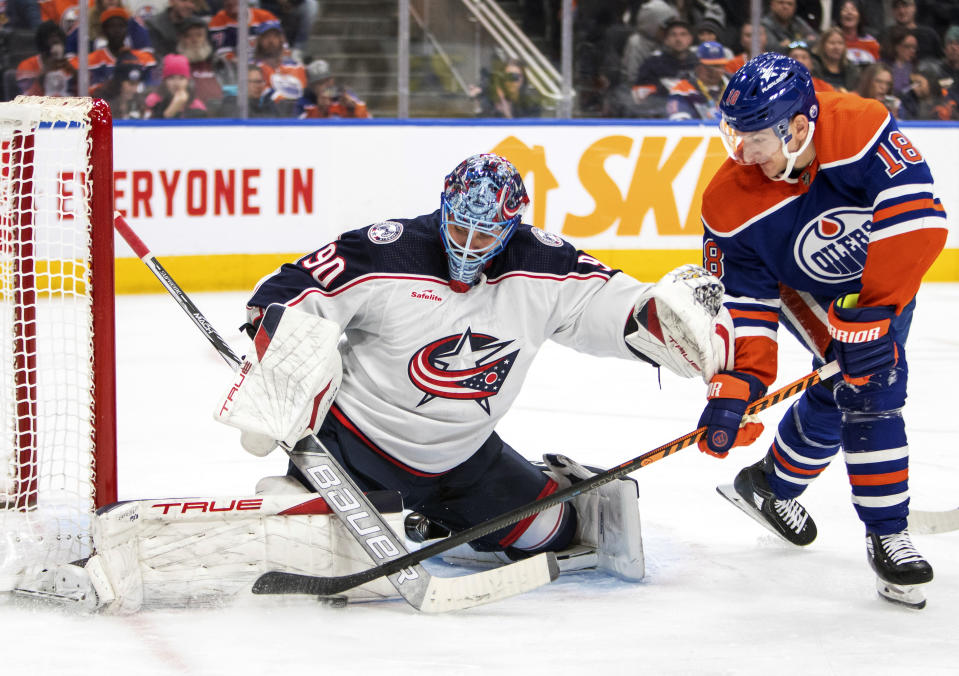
791 158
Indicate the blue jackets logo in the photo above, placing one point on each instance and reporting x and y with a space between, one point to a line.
463 366
832 247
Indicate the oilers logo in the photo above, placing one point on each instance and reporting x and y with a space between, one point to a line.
832 247
462 366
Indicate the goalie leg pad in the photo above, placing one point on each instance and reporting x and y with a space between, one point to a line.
608 518
208 551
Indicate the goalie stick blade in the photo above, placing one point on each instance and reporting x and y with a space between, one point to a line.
443 594
929 523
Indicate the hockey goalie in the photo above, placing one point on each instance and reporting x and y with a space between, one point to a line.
400 346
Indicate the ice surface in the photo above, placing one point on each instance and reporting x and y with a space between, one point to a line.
722 595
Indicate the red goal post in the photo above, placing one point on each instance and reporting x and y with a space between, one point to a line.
57 364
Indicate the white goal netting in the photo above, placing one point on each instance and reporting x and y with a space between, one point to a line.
48 358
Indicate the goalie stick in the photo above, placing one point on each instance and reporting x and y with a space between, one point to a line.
278 582
354 510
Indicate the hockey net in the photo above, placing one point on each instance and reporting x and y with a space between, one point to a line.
57 408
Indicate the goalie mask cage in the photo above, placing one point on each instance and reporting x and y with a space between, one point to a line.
58 450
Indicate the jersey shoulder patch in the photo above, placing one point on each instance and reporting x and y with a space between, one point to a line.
385 232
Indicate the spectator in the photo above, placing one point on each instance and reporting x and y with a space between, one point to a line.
600 33
206 71
899 53
834 66
174 98
508 94
165 27
676 60
223 27
861 48
296 17
800 52
21 15
904 15
137 35
925 99
938 13
875 82
113 23
124 91
651 20
711 30
697 97
783 26
285 76
323 98
745 42
49 72
949 66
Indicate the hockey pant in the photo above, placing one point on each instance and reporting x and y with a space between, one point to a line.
494 480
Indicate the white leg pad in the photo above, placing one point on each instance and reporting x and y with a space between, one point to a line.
608 519
208 551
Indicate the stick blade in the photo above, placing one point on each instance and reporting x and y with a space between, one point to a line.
929 523
467 591
281 582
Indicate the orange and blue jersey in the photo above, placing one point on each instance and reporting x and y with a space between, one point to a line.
102 64
862 218
223 29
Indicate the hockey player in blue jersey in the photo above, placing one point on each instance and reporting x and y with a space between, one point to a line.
824 220
441 316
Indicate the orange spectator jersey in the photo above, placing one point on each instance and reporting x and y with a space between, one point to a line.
863 218
862 49
223 29
102 63
52 10
30 79
288 80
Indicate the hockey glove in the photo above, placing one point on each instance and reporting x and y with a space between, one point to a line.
730 392
861 338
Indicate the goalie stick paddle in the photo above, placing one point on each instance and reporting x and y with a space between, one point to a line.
277 582
354 510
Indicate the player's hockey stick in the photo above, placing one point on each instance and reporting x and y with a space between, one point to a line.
929 523
277 582
357 514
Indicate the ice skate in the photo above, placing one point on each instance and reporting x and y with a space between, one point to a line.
786 518
899 568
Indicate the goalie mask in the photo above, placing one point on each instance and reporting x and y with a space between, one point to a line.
482 203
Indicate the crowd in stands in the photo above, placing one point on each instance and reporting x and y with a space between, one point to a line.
671 58
665 59
179 61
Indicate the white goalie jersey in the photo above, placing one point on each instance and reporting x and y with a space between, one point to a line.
429 372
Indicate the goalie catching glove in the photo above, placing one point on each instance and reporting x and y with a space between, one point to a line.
680 323
287 386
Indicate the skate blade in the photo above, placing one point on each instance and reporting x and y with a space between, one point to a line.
728 491
908 595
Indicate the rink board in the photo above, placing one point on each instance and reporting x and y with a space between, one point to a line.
224 204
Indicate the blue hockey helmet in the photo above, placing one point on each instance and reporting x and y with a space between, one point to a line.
482 202
767 93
